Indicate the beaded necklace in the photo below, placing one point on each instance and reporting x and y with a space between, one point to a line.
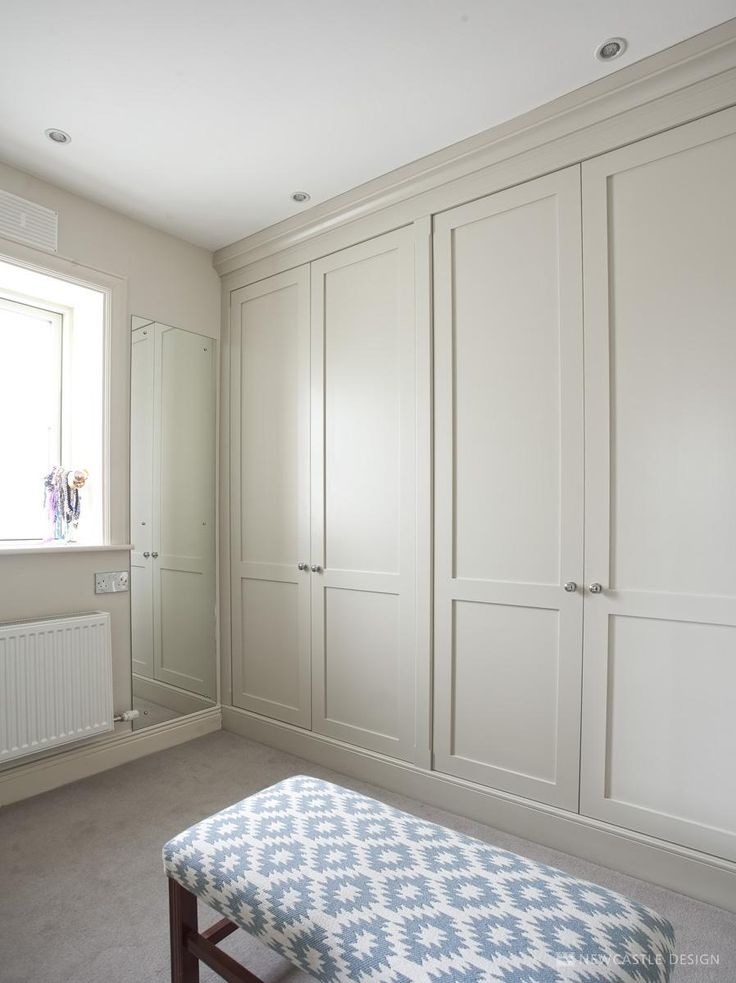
63 501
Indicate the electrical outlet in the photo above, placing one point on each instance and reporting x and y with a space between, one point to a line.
111 583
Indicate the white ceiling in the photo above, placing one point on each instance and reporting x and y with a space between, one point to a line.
202 117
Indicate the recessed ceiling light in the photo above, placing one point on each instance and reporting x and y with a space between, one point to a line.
58 136
300 197
611 48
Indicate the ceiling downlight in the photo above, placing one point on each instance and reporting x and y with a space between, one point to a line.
300 197
57 136
610 48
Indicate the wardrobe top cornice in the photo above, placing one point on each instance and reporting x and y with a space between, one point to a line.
665 73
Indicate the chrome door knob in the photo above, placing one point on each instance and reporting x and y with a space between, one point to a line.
154 555
571 587
596 589
316 568
146 555
301 565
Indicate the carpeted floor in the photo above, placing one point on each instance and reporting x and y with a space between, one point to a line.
83 896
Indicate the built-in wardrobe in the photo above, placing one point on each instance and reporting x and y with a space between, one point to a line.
324 545
585 475
581 406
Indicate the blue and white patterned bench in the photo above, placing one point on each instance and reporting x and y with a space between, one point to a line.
349 889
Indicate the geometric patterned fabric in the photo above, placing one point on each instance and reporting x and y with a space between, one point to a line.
350 889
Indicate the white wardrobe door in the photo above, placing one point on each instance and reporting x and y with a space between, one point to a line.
141 499
508 489
270 497
184 519
364 494
659 728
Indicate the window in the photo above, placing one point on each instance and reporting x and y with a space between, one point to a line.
52 341
31 341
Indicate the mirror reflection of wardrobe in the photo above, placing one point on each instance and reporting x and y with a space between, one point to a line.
173 393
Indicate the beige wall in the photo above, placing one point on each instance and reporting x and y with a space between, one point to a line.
31 586
168 280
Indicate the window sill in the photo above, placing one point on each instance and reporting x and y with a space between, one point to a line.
21 549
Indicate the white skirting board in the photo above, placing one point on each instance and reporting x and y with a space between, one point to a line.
44 774
677 868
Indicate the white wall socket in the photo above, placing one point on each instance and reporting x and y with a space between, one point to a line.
111 583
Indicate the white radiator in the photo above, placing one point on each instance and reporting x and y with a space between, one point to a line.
55 682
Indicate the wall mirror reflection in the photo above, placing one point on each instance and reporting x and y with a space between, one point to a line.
172 470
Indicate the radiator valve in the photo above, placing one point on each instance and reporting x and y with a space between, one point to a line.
126 716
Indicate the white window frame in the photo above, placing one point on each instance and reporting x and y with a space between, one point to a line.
116 390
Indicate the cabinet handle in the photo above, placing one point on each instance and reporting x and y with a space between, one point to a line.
571 587
301 565
316 568
596 588
146 554
154 555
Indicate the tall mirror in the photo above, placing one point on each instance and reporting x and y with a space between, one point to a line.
172 472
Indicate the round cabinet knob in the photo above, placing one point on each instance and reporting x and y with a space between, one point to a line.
571 587
154 555
596 589
301 565
316 568
146 554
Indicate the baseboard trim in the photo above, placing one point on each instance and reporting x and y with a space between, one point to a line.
680 869
42 775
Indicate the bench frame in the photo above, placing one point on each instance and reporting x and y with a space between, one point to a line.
189 946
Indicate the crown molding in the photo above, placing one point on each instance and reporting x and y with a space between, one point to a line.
665 73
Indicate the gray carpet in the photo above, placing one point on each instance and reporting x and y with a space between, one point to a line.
83 896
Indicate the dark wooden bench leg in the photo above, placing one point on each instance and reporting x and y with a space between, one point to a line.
182 922
189 946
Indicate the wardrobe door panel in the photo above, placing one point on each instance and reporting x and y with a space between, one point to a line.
508 489
659 222
362 656
271 638
507 394
660 760
270 388
141 499
184 521
362 411
364 632
512 725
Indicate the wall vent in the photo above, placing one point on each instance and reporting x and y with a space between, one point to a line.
25 221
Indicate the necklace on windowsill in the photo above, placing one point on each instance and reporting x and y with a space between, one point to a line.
63 501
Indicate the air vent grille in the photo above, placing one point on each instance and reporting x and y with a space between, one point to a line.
25 221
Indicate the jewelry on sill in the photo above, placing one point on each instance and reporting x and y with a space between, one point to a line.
63 501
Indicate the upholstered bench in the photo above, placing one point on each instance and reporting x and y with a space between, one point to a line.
349 889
